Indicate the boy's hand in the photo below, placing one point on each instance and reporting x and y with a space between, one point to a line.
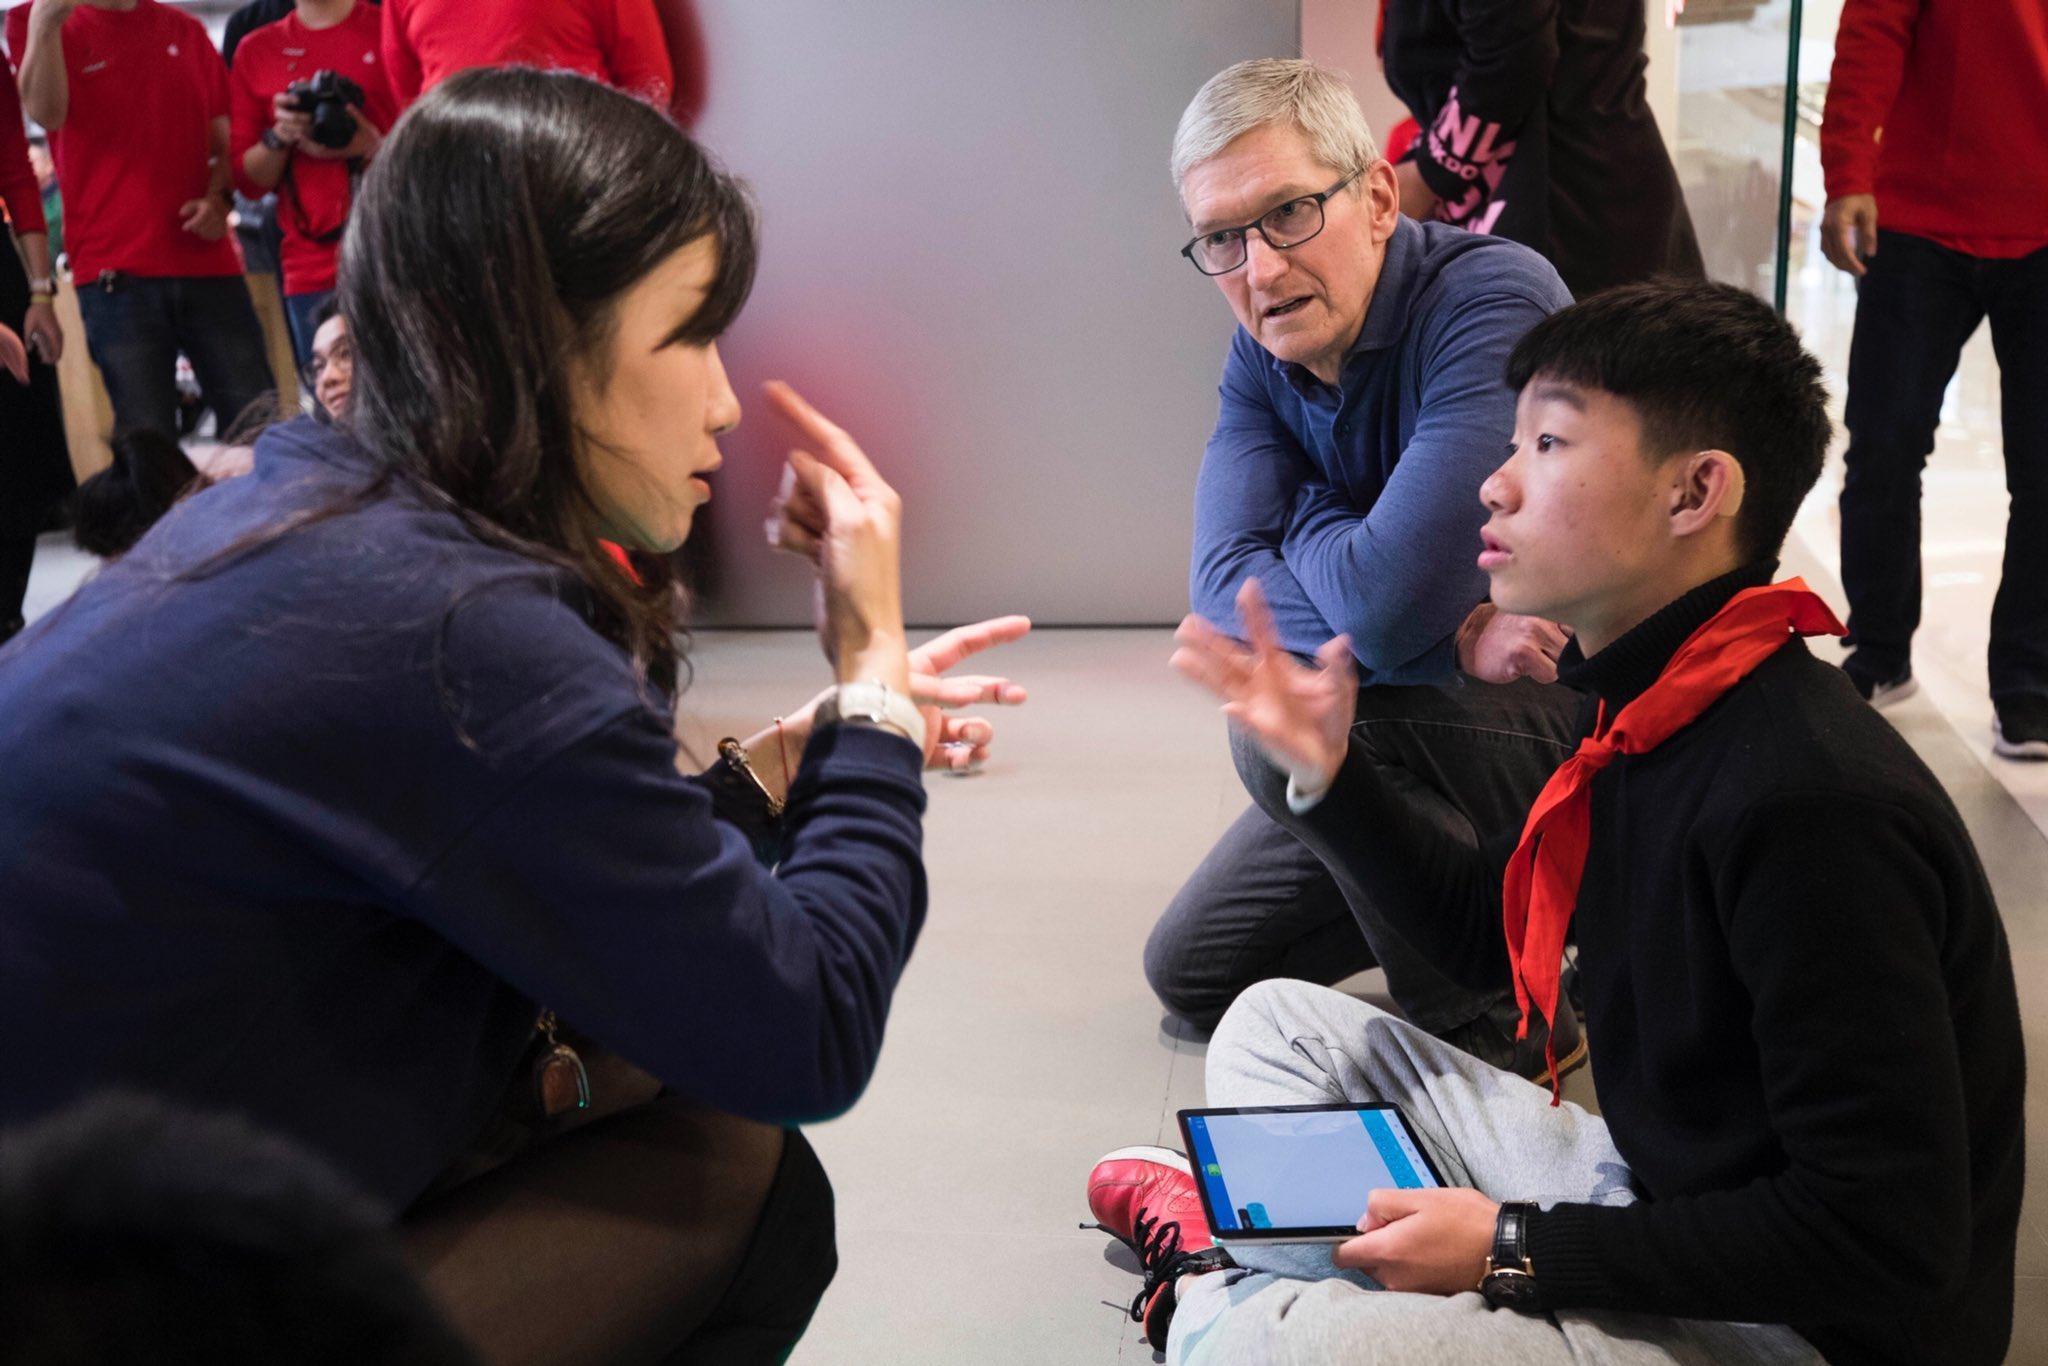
1430 1242
1301 717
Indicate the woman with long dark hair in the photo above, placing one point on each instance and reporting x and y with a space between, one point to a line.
320 803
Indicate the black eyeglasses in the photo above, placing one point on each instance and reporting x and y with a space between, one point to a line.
1222 250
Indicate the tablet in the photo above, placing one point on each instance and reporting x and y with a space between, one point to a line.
1299 1173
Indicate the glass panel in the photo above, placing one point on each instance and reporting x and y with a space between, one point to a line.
1731 58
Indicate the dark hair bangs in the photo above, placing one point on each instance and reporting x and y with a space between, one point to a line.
731 225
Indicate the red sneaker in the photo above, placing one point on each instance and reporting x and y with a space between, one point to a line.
1153 1183
1146 1199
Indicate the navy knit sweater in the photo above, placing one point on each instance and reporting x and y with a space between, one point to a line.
309 835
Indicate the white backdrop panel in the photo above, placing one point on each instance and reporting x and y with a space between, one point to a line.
969 261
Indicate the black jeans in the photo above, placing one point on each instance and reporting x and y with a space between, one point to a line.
1915 309
35 461
136 330
1262 905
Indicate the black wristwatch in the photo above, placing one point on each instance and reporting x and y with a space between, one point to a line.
1510 1280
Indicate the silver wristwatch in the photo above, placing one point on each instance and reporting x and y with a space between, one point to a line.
874 703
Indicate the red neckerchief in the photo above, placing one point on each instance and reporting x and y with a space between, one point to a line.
1542 883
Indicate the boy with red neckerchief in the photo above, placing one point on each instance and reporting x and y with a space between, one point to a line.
1806 1037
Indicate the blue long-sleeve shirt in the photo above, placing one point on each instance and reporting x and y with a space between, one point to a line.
311 835
1357 507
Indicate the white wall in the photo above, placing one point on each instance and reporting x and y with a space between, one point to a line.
970 260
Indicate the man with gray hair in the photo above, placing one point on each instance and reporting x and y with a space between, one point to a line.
1363 403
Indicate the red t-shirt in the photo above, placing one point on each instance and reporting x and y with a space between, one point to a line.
619 42
313 198
135 145
19 192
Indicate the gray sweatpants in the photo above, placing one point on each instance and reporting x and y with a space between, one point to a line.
1294 1043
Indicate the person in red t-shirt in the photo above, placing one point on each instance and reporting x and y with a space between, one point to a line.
620 42
1934 129
136 102
276 149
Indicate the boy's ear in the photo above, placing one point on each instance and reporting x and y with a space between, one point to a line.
1709 488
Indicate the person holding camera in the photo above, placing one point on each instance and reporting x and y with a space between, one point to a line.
310 108
136 103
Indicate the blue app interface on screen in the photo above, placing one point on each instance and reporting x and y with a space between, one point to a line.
1301 1170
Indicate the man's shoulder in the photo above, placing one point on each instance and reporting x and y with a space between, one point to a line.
185 37
367 19
1460 267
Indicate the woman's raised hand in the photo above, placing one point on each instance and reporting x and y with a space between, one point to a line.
836 510
1301 717
959 743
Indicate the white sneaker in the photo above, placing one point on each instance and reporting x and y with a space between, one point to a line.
1879 693
2020 730
1892 693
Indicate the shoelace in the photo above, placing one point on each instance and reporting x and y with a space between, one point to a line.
1160 1255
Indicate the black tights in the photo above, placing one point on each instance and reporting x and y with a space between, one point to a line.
663 1234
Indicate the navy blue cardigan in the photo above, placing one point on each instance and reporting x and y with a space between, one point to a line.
308 836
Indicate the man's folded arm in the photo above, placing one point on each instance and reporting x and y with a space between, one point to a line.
1251 472
1402 577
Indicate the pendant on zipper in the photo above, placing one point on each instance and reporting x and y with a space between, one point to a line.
560 1082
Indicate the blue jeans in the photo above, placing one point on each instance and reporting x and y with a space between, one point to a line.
302 311
1914 310
136 328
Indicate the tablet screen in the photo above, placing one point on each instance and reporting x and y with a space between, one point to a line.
1300 1168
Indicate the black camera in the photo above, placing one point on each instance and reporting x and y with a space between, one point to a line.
326 98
